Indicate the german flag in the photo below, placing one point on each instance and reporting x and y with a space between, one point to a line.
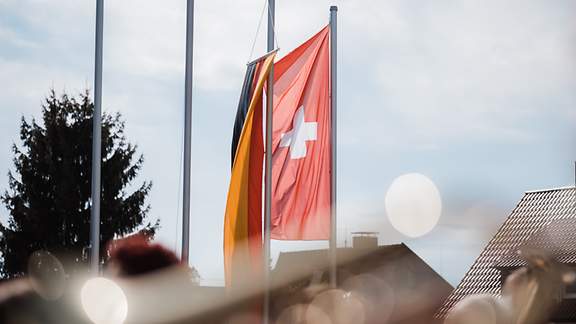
243 217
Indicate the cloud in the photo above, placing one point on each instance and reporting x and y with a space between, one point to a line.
10 37
469 68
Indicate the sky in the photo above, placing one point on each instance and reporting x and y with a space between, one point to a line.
477 95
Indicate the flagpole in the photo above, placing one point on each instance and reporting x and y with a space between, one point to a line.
187 130
96 142
268 164
333 110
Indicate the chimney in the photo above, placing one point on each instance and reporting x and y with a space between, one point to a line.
364 240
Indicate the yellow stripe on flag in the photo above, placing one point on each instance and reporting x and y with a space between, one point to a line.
236 244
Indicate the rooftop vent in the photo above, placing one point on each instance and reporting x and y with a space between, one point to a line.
364 240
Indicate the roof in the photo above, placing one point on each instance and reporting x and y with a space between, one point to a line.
556 238
535 212
417 289
310 261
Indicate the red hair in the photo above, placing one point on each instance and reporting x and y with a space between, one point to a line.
136 255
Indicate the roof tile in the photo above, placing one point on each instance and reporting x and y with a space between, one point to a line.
527 224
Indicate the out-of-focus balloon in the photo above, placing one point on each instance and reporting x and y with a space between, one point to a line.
295 314
315 315
341 307
479 309
104 301
46 275
413 204
375 294
569 277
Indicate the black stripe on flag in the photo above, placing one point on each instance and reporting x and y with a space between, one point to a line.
243 104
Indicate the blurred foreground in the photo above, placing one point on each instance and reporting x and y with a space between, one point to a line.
524 276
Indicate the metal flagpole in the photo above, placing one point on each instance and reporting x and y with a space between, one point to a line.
187 130
96 143
333 106
268 164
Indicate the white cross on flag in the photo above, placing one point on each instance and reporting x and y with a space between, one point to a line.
301 143
296 138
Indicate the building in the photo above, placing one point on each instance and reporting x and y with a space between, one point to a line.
395 284
543 219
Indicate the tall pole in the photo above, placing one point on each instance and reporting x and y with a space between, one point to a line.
96 142
268 173
187 130
333 110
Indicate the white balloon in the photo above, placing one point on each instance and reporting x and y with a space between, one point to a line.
104 301
480 309
413 204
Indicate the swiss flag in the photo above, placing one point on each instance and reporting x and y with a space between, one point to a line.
301 169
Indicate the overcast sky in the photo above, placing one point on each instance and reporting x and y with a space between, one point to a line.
477 95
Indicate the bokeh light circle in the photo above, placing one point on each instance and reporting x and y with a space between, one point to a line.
478 309
104 301
46 274
413 204
295 314
340 306
315 315
377 297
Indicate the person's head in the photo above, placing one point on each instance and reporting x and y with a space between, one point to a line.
147 272
136 255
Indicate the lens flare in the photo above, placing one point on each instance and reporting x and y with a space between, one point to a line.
376 296
413 204
341 307
293 314
479 309
46 275
104 301
315 315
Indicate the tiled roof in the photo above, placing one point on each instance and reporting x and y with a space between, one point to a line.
558 238
535 211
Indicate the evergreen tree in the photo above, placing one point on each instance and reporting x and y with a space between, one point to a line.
49 194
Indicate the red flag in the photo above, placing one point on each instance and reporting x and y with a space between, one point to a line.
302 143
